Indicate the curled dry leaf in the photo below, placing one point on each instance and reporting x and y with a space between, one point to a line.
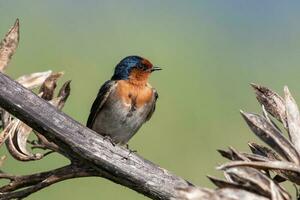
293 118
9 45
17 141
34 80
270 135
21 137
49 85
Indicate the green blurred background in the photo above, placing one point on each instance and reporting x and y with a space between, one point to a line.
210 51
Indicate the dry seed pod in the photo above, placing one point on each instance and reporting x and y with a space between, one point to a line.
49 85
272 102
270 135
9 45
34 80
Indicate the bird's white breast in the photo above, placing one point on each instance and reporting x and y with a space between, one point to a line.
120 119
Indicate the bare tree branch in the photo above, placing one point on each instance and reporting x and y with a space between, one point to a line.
34 182
81 143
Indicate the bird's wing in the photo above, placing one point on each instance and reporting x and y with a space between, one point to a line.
101 98
153 105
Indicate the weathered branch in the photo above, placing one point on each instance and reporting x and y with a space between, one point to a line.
83 144
38 181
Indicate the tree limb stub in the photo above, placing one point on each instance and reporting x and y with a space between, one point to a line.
83 144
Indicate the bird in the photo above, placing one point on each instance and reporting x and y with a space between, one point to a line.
125 102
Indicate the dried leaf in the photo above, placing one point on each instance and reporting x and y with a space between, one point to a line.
237 154
34 80
227 154
4 134
255 181
195 193
5 118
237 194
265 114
49 85
278 178
278 165
270 135
9 45
63 94
272 156
226 184
20 138
263 151
272 102
287 169
293 118
255 157
16 143
233 154
275 194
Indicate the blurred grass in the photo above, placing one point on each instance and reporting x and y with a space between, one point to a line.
210 51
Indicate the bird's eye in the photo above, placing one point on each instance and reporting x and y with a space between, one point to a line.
143 67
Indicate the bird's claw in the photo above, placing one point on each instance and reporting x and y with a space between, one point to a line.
106 137
130 152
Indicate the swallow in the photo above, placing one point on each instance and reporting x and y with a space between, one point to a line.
125 102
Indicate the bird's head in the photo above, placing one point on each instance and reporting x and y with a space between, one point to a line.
134 68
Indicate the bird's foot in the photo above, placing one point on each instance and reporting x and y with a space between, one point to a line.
106 137
130 152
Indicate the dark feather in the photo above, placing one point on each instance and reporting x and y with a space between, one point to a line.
153 105
99 101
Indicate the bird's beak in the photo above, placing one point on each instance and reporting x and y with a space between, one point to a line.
155 68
